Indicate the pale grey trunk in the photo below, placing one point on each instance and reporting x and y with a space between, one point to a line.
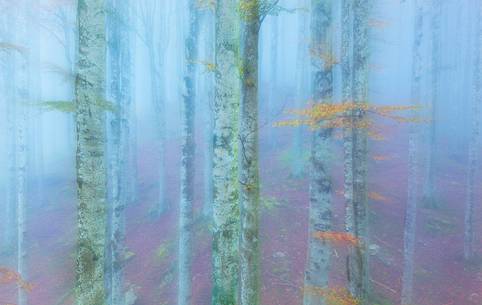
320 213
120 92
187 161
474 143
225 163
273 73
249 247
157 96
9 84
91 169
22 99
297 162
358 277
429 190
412 196
347 97
208 116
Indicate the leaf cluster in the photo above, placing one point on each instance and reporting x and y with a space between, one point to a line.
333 296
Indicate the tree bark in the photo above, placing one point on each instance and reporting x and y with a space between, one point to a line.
187 160
91 170
249 247
412 197
121 95
225 163
320 213
358 277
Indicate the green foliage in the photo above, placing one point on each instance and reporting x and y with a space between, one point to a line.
107 105
10 47
62 106
71 107
162 252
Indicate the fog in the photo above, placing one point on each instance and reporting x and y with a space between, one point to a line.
247 152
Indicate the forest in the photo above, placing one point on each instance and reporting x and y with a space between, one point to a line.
240 152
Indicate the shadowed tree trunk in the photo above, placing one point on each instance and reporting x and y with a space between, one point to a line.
225 162
91 170
187 160
249 248
320 213
347 97
412 196
358 278
121 94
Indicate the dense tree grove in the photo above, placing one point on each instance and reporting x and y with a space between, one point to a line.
240 152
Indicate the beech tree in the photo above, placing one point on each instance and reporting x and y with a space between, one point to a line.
320 213
91 168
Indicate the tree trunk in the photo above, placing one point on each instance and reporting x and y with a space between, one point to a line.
474 143
187 161
412 197
120 92
347 97
9 84
297 161
91 170
320 218
249 248
22 98
358 258
208 115
157 91
225 162
430 197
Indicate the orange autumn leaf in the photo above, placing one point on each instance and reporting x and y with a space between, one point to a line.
341 238
8 276
377 197
380 158
355 115
333 296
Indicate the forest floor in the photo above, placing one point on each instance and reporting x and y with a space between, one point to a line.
441 277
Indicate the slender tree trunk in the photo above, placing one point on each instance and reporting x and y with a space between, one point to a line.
91 169
120 92
22 98
209 116
320 218
273 78
412 197
358 259
9 73
474 142
429 191
297 163
21 169
187 161
347 97
249 247
225 163
157 92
